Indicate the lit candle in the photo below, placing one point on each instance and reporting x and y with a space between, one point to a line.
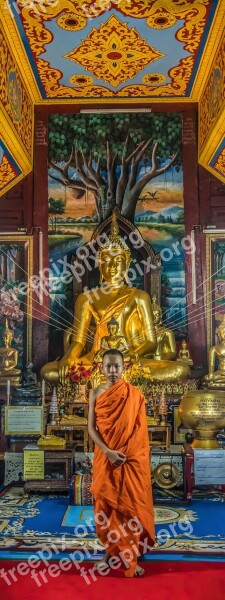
8 391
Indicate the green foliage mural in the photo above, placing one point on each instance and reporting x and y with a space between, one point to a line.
104 153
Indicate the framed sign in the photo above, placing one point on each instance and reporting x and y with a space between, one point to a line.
16 263
215 285
209 466
179 431
21 420
34 464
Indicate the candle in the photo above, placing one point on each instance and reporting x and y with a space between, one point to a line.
43 387
43 391
8 391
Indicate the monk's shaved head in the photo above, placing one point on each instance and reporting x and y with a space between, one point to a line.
112 352
112 365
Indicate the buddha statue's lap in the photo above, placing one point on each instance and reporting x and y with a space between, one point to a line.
8 358
130 307
217 354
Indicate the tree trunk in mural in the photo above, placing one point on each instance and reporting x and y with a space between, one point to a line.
110 192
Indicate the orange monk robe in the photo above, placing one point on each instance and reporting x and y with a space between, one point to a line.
123 493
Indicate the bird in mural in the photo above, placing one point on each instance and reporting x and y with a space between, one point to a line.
148 196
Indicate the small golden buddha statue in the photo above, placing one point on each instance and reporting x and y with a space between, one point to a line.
113 340
8 359
72 419
217 352
130 306
51 440
184 354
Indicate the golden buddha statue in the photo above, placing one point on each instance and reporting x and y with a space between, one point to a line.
113 340
132 309
8 359
217 352
73 420
184 354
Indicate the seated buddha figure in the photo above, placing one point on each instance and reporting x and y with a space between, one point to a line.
113 340
8 359
184 354
129 305
217 353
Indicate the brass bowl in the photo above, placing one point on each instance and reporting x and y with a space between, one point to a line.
203 411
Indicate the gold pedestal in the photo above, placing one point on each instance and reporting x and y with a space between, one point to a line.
205 439
14 380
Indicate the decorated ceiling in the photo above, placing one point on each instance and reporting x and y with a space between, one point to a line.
109 53
114 48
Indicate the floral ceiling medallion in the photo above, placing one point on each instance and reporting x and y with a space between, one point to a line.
114 52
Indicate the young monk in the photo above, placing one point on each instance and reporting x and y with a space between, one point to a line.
121 471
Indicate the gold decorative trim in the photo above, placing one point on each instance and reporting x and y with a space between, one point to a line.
210 49
11 184
214 172
215 138
28 243
18 52
210 238
13 142
3 524
30 248
114 101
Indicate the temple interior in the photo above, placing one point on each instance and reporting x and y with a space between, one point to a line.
112 236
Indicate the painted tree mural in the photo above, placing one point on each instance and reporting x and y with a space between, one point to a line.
107 154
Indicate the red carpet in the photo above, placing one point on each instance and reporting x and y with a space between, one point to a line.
163 580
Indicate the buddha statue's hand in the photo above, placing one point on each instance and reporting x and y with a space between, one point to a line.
209 377
64 365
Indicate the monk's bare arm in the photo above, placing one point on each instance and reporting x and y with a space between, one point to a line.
92 425
117 458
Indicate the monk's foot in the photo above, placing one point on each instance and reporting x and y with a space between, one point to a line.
139 571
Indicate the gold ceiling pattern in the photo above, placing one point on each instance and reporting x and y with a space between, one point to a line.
112 51
104 51
116 43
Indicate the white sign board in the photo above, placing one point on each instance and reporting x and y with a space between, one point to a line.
20 420
209 467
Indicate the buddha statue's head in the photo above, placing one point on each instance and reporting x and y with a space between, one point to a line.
7 335
184 345
114 257
113 327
